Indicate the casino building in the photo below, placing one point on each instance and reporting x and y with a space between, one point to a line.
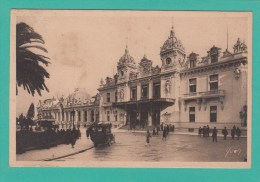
187 90
77 109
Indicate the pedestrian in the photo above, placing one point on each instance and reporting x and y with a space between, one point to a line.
154 131
225 133
168 129
215 134
208 130
73 137
204 131
233 132
148 136
238 133
199 131
164 134
157 130
161 126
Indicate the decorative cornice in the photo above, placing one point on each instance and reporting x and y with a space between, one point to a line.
214 66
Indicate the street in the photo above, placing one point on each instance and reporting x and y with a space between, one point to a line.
131 146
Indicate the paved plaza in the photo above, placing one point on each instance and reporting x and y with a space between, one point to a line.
131 146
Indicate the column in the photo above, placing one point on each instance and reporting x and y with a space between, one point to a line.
150 122
76 118
89 116
138 91
82 117
94 115
150 87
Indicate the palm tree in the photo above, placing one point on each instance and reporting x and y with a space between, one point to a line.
30 71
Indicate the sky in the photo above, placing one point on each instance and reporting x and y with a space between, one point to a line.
85 46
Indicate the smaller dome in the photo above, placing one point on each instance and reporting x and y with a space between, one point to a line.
145 60
172 43
126 59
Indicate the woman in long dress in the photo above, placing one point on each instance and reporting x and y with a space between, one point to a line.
148 136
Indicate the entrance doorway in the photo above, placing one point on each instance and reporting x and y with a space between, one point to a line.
144 118
133 116
156 117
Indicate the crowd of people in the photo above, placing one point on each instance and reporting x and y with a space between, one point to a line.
29 139
165 131
205 132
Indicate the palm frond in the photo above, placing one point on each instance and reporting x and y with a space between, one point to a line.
30 74
26 34
34 46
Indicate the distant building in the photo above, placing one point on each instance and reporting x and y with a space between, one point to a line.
78 109
186 90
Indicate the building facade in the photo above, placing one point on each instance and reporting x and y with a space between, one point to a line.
186 90
77 109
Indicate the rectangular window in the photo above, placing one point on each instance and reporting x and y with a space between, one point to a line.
192 63
213 82
192 114
192 85
157 90
213 113
116 96
214 58
115 115
108 116
145 91
133 93
108 97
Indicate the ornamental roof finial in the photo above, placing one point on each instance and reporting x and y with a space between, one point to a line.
172 34
126 47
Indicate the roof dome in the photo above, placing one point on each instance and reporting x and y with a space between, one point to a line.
126 59
172 43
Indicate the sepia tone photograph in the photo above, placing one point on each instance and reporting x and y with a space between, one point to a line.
99 88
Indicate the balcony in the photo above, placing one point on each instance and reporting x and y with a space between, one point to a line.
107 104
144 98
156 96
133 99
204 95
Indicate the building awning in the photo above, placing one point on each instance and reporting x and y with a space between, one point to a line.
167 101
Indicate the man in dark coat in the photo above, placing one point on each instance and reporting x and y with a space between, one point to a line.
225 133
215 134
233 132
208 130
164 134
238 133
204 131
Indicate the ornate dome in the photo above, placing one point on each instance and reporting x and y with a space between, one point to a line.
126 59
172 43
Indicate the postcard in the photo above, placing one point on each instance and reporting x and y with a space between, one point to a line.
118 88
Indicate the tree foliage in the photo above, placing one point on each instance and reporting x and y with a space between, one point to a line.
31 111
30 66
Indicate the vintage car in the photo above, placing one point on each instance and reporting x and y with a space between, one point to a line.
100 133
